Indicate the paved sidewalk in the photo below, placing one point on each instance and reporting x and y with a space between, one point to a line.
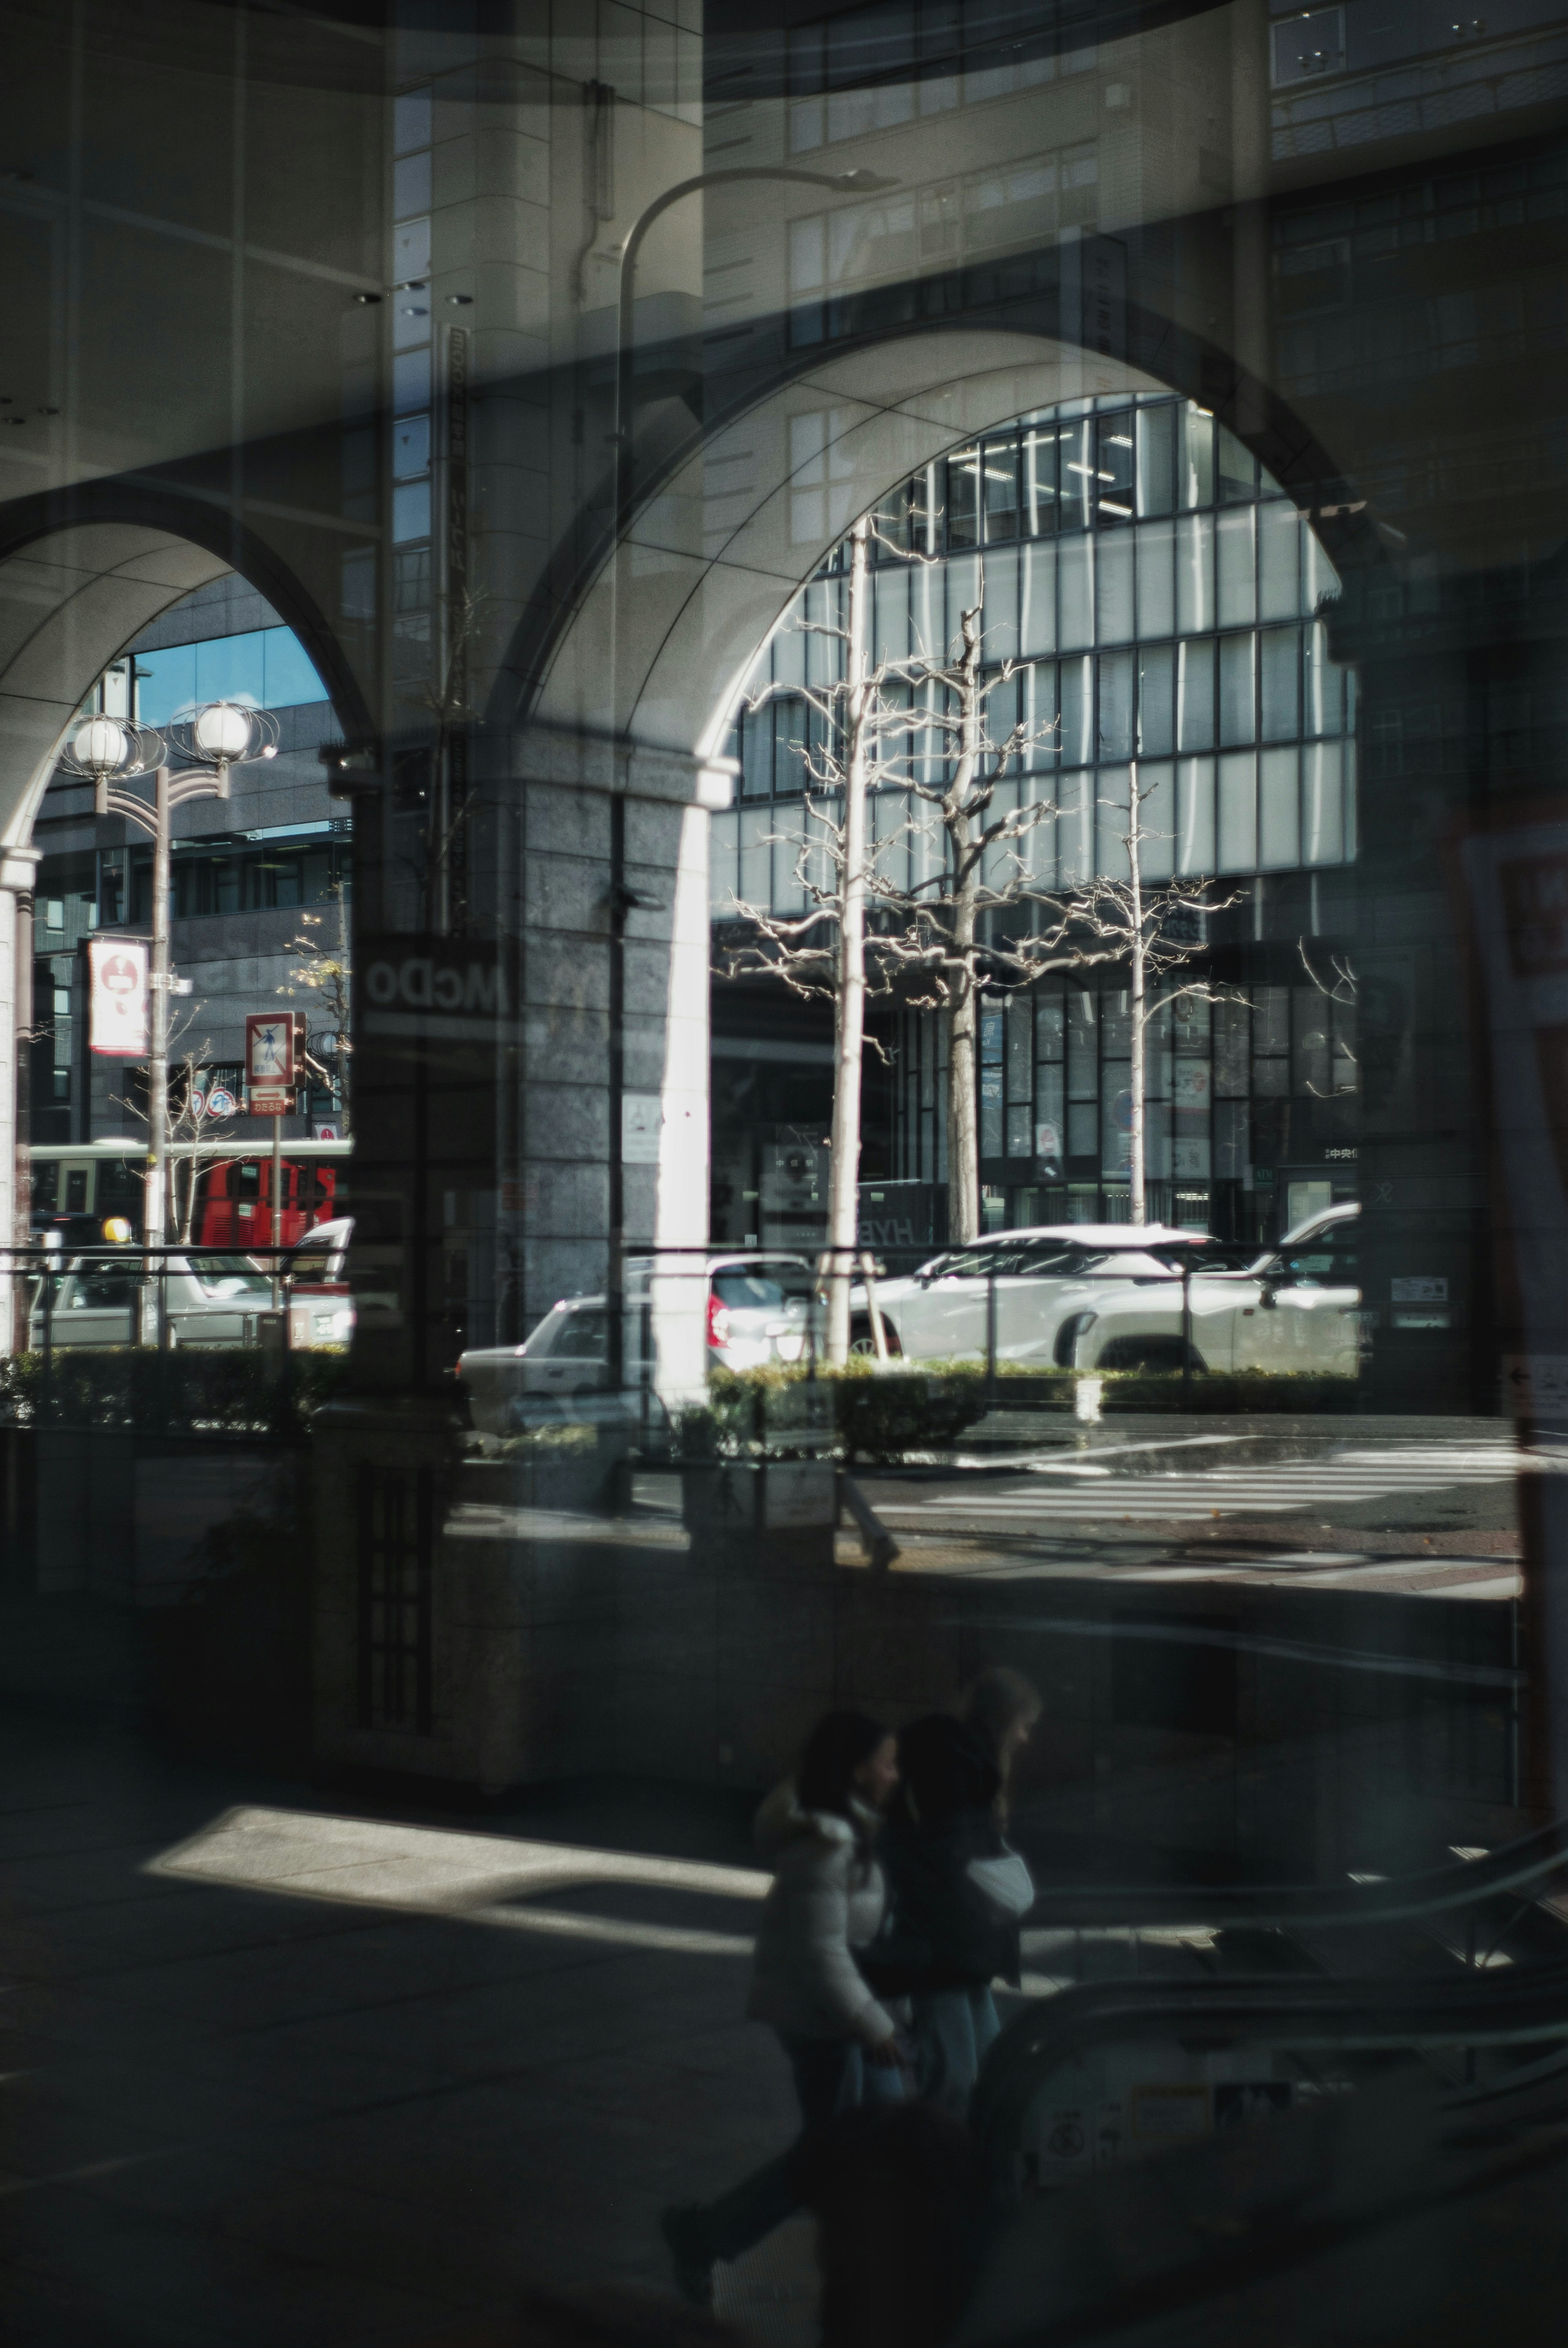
238 2109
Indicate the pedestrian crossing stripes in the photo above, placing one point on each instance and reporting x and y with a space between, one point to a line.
1081 1490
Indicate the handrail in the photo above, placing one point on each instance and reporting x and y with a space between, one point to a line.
1508 2008
1396 1898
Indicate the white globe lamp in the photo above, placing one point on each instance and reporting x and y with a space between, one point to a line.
100 746
222 732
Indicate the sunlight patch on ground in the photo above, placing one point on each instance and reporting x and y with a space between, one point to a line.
478 1879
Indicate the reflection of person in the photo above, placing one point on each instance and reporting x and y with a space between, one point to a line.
1001 1707
960 1893
826 1902
950 1937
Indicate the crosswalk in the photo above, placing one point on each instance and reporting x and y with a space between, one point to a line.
1084 1489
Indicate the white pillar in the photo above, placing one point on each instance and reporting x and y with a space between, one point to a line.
17 869
681 1210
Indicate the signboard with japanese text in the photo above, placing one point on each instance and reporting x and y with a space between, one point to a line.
118 994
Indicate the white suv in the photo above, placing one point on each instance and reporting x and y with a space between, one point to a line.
1296 1308
1041 1278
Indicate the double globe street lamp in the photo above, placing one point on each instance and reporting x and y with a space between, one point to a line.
112 752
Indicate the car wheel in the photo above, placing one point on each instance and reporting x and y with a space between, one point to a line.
861 1341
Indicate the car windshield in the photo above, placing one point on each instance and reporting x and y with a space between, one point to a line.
762 1287
581 1337
310 1263
93 1290
225 1276
1324 1263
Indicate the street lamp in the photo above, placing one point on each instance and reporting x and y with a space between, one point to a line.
111 751
854 182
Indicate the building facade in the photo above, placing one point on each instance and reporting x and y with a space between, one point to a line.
1155 614
256 880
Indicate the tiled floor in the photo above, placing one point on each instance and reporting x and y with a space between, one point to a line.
235 2114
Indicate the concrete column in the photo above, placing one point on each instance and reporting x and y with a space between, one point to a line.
17 867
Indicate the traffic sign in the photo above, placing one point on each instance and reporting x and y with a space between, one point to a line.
220 1102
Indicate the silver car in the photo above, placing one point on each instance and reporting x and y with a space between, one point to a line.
756 1309
97 1301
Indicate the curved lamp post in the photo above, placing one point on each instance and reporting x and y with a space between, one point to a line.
842 183
110 752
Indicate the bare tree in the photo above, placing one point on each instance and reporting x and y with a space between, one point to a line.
932 940
188 1117
945 936
1156 930
326 973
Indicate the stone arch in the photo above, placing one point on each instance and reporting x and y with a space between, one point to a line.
79 579
657 643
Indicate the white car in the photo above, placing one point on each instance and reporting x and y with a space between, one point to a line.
1042 1279
321 1303
1296 1308
97 1301
756 1309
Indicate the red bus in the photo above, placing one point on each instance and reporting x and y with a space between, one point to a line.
77 1187
234 1202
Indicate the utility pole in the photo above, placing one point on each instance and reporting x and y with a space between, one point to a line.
843 1168
155 1200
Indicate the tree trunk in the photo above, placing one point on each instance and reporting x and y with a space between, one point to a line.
1139 974
963 1137
843 1176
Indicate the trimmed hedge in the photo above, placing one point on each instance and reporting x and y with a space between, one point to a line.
861 1412
855 1412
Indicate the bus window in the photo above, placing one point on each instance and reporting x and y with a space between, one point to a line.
46 1181
77 1189
119 1185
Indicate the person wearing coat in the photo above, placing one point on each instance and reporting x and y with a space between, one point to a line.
958 1897
826 1903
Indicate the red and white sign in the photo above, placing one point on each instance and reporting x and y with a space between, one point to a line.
117 995
270 1062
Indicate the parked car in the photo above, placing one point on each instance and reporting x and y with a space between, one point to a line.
1295 1307
755 1309
97 1301
1041 1278
321 1303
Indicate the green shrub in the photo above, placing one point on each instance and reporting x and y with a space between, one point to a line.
228 1389
861 1412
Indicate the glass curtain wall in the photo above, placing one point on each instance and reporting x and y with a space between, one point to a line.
1154 606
